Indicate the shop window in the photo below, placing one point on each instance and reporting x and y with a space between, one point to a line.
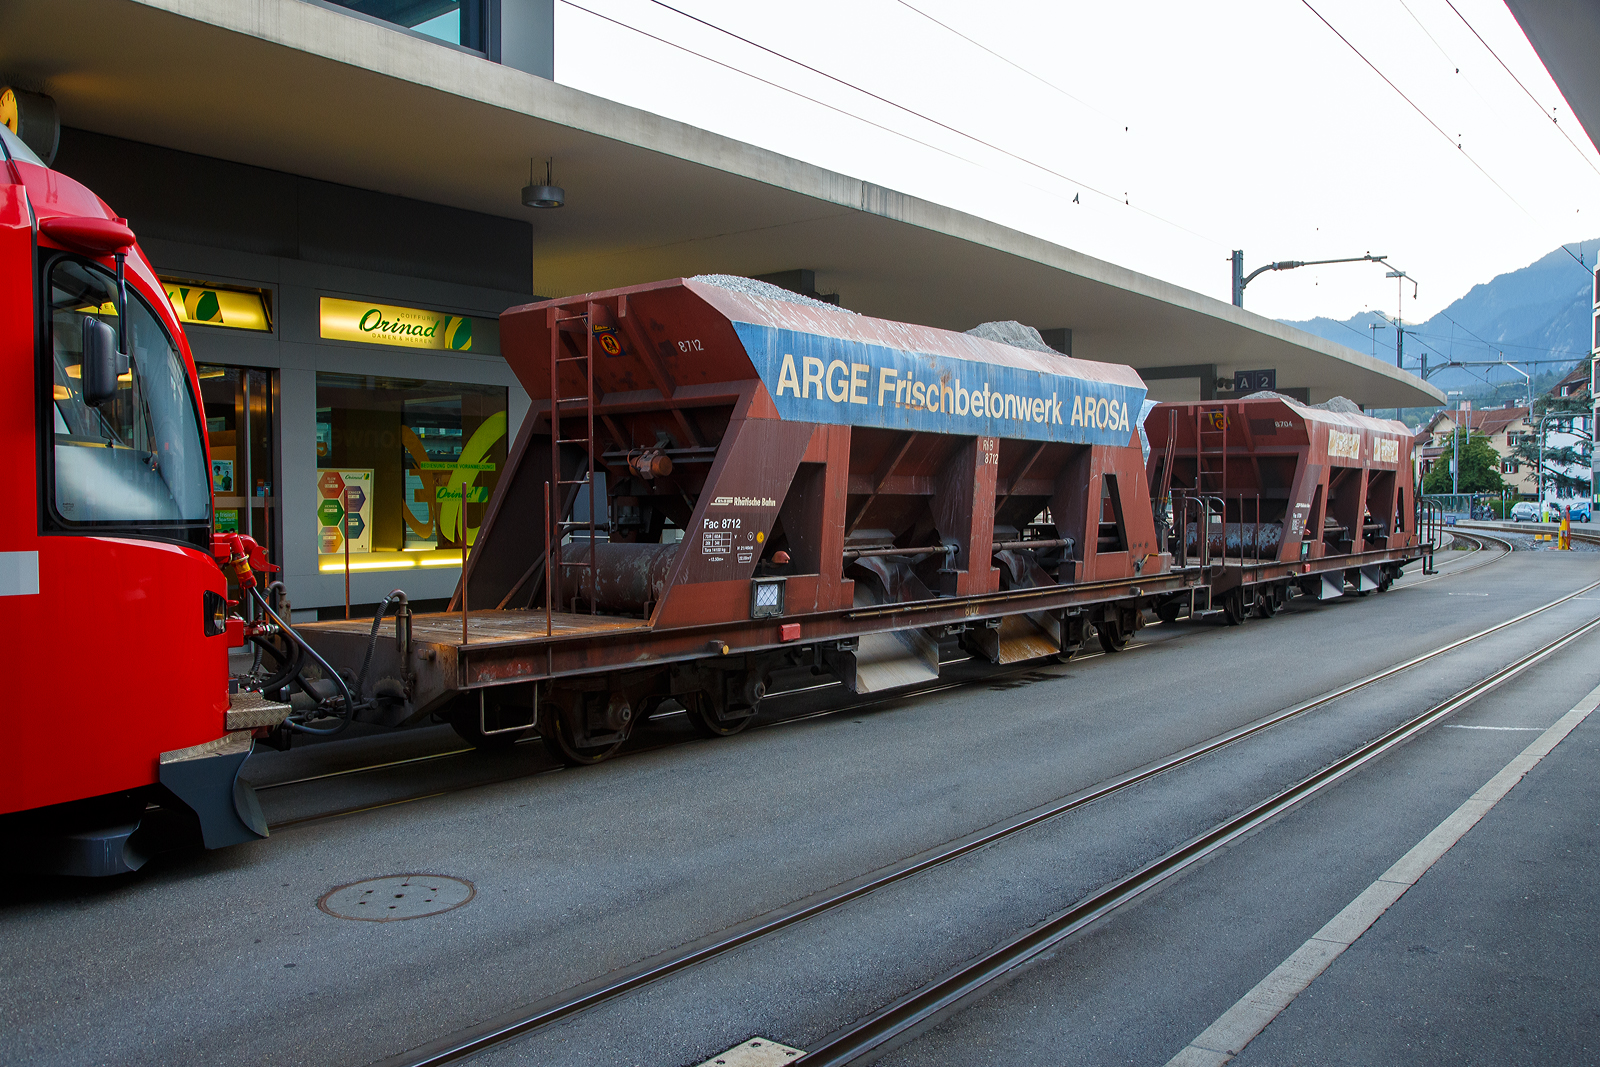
462 22
405 467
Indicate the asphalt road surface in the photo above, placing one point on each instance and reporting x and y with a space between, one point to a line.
226 958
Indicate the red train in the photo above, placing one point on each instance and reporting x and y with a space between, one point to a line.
719 482
122 736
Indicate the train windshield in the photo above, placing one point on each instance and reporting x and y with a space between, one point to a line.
137 459
16 149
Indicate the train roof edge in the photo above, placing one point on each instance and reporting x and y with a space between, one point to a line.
822 364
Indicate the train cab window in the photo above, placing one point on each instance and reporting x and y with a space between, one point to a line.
137 459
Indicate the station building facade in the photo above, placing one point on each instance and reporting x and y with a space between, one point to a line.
347 341
347 337
343 337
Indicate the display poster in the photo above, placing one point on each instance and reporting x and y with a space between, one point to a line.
222 477
344 510
213 305
227 520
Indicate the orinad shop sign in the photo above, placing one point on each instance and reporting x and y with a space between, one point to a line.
384 324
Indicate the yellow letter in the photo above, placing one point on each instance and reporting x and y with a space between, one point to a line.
812 364
787 376
843 381
886 382
858 382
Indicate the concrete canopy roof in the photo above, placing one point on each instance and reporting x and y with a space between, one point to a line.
1566 34
313 91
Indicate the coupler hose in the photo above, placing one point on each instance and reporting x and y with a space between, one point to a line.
344 690
372 643
288 663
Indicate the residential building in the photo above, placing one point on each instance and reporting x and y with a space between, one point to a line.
1505 427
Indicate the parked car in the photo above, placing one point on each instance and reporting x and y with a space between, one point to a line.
1580 510
1524 511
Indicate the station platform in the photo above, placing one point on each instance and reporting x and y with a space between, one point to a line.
1490 957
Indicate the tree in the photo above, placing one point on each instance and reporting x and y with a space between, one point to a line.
1559 462
1480 469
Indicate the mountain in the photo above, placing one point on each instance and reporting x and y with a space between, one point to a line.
1541 311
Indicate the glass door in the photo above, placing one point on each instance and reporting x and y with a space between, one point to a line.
241 405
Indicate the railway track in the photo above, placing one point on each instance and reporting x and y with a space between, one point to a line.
780 719
1453 567
942 996
948 994
1588 537
1465 564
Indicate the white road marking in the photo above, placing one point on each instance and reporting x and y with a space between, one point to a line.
1466 594
1513 729
1238 1026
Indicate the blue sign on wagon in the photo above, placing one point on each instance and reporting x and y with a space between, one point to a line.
835 380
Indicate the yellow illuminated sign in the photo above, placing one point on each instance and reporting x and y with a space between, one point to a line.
384 324
210 305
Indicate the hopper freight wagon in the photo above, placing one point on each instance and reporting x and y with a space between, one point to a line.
719 481
1271 498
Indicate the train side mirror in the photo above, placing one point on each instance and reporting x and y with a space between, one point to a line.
102 363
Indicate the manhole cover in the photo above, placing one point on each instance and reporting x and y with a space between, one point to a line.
398 896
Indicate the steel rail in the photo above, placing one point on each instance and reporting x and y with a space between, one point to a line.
907 692
1587 536
555 1008
945 995
1471 566
898 694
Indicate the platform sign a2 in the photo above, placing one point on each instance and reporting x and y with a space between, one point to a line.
344 510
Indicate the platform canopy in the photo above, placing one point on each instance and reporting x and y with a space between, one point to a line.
314 91
1566 34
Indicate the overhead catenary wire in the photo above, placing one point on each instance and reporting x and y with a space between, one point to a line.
1123 199
1415 107
1450 361
773 84
1575 146
1448 57
1009 62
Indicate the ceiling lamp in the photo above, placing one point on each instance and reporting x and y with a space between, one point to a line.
547 195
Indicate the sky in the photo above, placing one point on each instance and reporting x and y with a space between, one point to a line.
1158 136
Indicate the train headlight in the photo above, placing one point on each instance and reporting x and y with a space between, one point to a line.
766 597
216 613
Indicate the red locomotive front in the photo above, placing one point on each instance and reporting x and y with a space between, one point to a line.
120 734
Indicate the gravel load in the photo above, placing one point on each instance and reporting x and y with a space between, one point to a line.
1014 334
1338 405
764 290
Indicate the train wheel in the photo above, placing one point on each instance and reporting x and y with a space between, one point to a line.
555 728
1387 580
1233 608
703 717
1266 603
1112 639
